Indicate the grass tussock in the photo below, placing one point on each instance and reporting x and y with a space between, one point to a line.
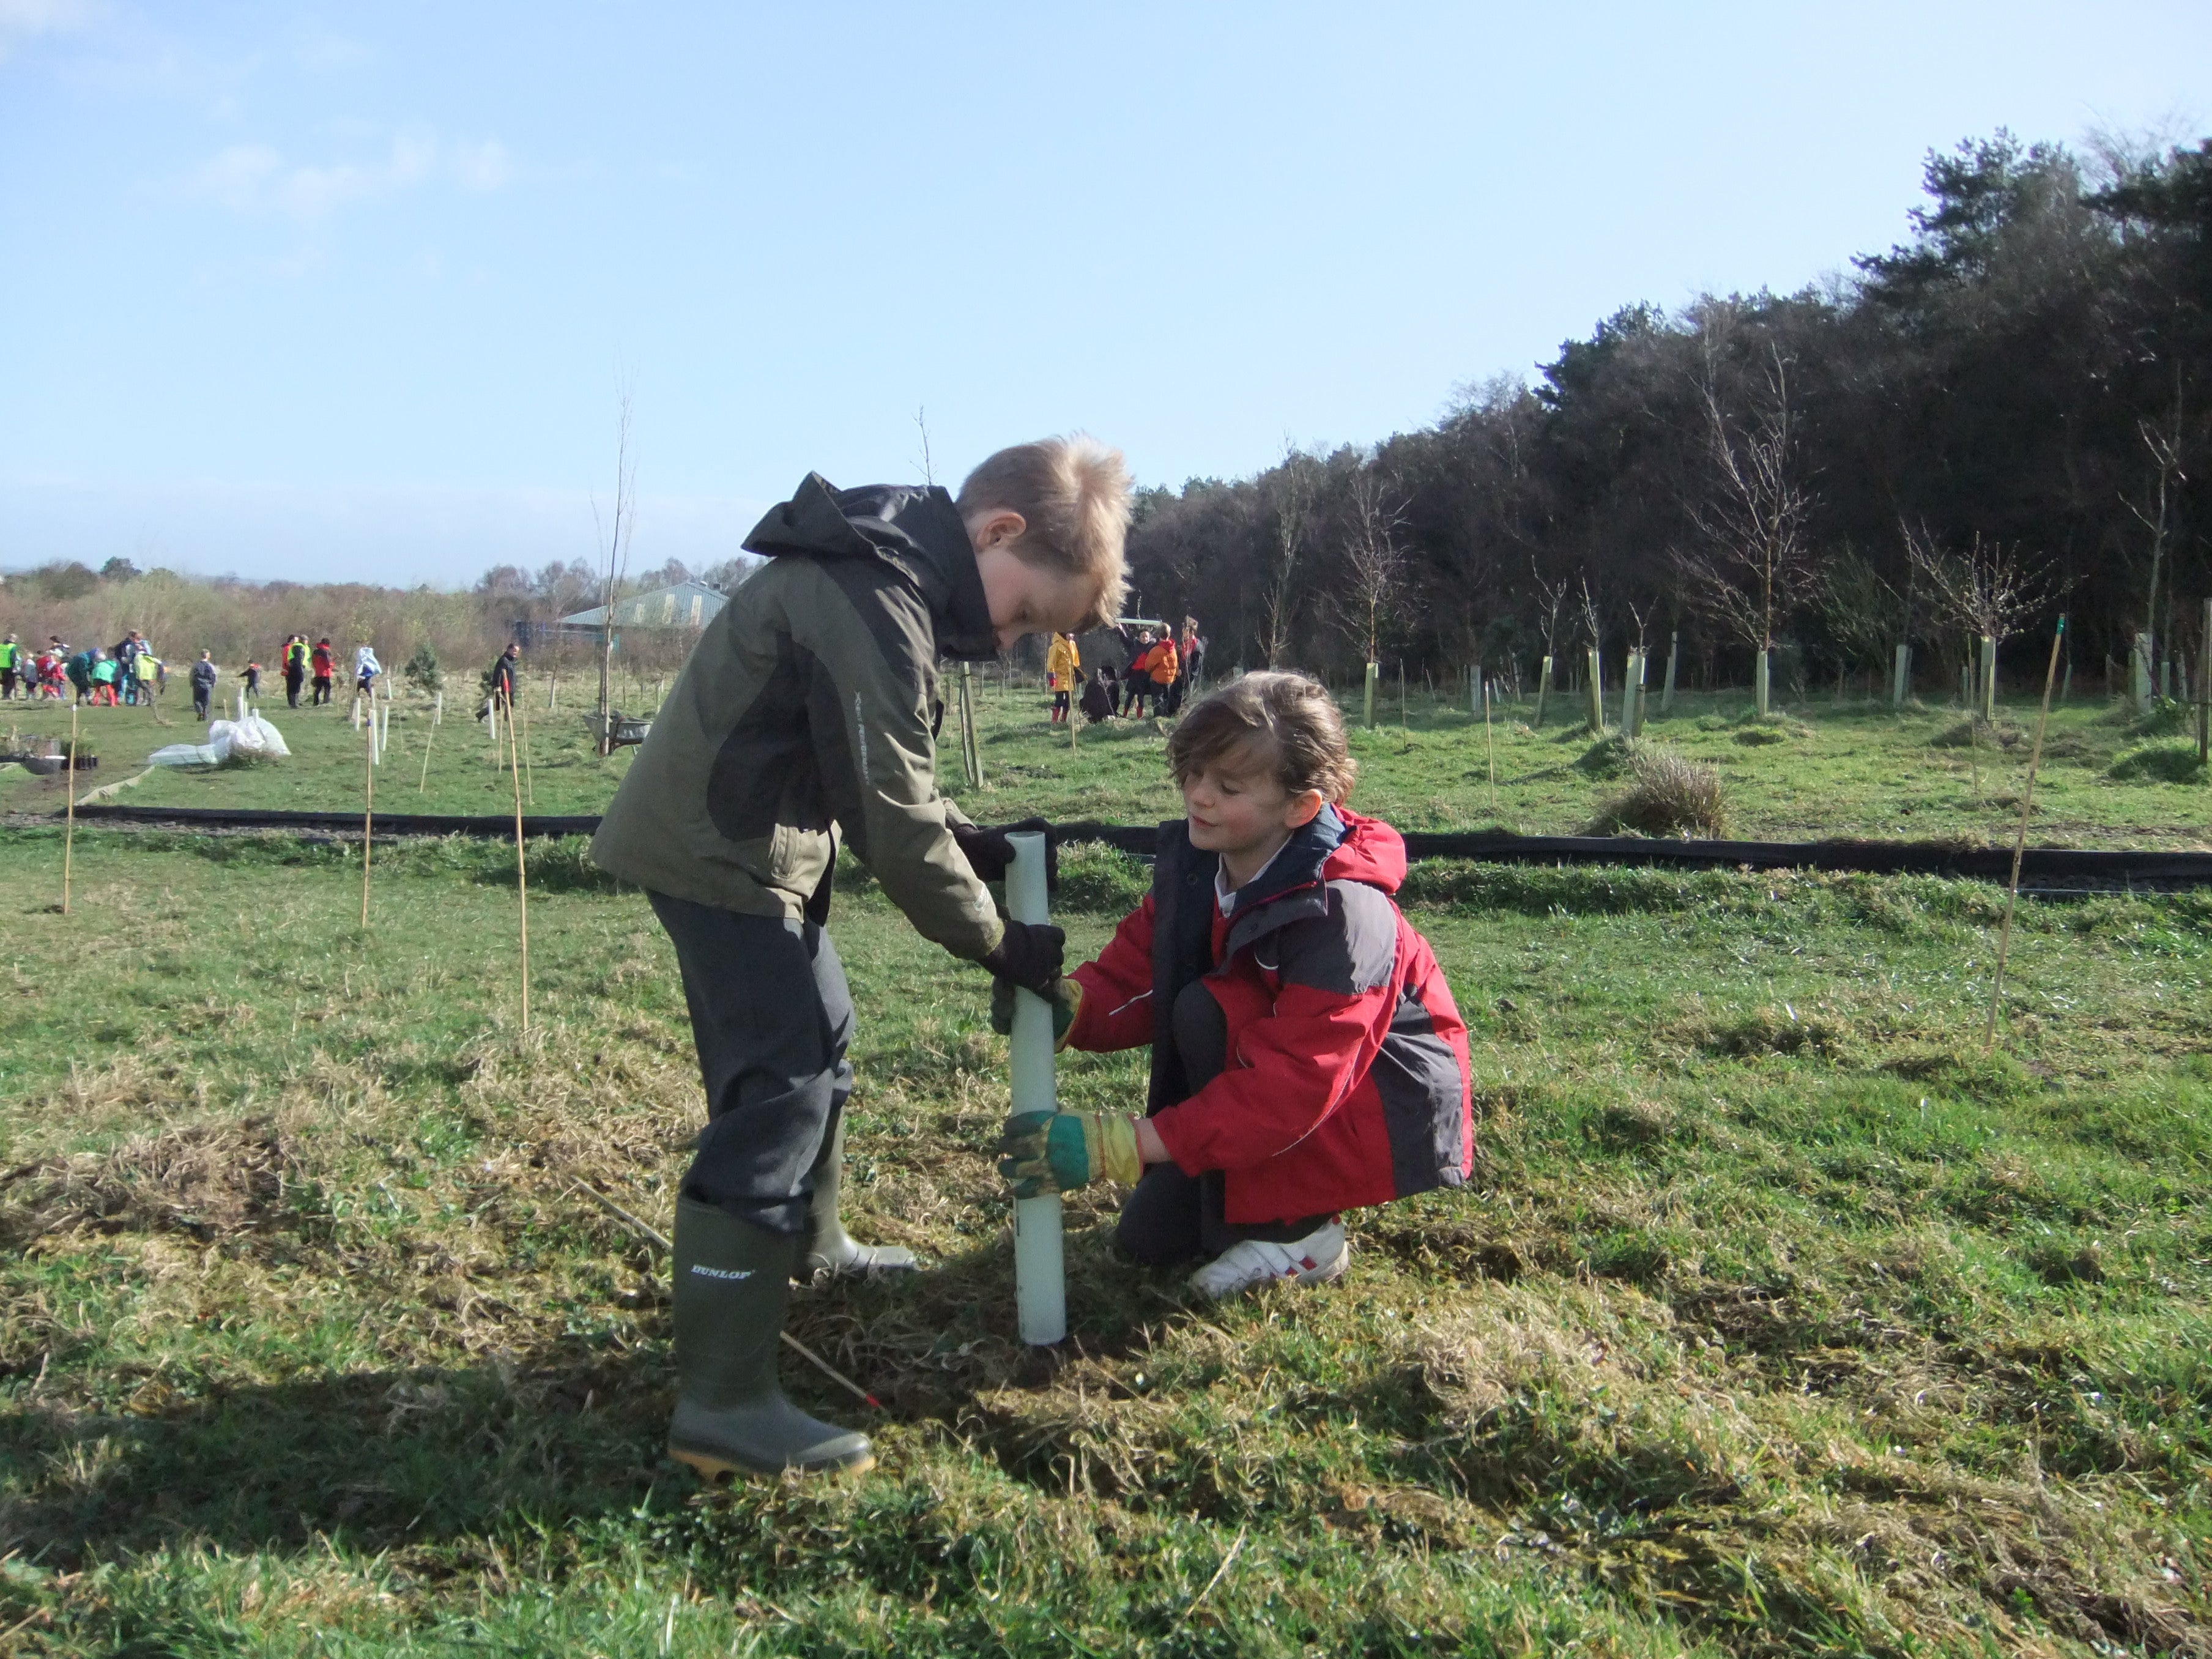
1668 794
2158 763
1975 730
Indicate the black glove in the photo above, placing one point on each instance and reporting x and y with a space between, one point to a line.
990 854
1029 956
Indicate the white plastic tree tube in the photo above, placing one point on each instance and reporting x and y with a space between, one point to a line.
1039 1275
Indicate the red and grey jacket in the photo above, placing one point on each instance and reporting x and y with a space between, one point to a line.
1338 1062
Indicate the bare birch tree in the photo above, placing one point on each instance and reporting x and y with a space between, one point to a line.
1375 561
616 566
1279 598
1756 567
1987 592
2164 441
1551 606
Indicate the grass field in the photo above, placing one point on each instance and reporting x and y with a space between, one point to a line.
1779 1319
1825 768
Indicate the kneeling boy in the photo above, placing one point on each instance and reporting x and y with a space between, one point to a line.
1307 1056
808 709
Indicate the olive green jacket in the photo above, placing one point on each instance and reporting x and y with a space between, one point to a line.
808 709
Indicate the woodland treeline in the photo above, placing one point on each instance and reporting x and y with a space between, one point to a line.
2020 391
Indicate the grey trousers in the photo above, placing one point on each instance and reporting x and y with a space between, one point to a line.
771 1018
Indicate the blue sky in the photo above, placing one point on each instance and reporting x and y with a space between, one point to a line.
334 292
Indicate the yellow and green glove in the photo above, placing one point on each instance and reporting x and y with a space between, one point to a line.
1066 999
1045 1152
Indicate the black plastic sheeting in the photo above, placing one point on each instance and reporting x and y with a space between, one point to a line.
2047 868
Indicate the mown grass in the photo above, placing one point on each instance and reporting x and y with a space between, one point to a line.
1823 768
1779 1319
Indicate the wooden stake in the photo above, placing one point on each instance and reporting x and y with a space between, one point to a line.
2020 842
521 871
1974 742
429 737
368 821
1491 744
529 783
2204 687
68 831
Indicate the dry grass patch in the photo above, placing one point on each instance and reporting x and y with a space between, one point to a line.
1668 794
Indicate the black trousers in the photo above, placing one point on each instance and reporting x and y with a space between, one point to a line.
322 689
200 703
1172 1217
772 1018
292 687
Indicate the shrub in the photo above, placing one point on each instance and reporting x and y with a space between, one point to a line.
1668 794
423 671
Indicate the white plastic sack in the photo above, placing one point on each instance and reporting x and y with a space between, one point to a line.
250 740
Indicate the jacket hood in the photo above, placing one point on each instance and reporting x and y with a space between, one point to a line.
1371 851
1339 845
914 530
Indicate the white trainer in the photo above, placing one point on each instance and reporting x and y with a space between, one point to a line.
1318 1257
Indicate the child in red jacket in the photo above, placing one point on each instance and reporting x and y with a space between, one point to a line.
1307 1056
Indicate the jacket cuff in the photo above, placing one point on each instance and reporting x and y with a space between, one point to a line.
1176 1134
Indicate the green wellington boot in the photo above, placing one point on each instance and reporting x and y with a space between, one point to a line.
831 1251
732 1279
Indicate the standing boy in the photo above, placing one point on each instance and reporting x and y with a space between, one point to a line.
203 685
807 713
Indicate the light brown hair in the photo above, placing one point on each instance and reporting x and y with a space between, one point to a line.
1074 495
1269 719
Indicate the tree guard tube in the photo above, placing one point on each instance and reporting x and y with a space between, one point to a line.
1040 1274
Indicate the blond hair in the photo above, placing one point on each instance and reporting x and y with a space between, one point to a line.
1074 495
1270 720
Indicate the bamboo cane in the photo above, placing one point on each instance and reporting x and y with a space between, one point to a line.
68 831
2020 842
521 871
368 822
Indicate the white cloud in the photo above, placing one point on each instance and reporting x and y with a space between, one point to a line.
258 178
26 20
481 167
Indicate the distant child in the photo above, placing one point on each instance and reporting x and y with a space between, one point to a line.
1062 668
1137 676
325 661
146 671
1307 1056
296 668
1098 694
366 668
251 675
103 679
806 716
203 673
